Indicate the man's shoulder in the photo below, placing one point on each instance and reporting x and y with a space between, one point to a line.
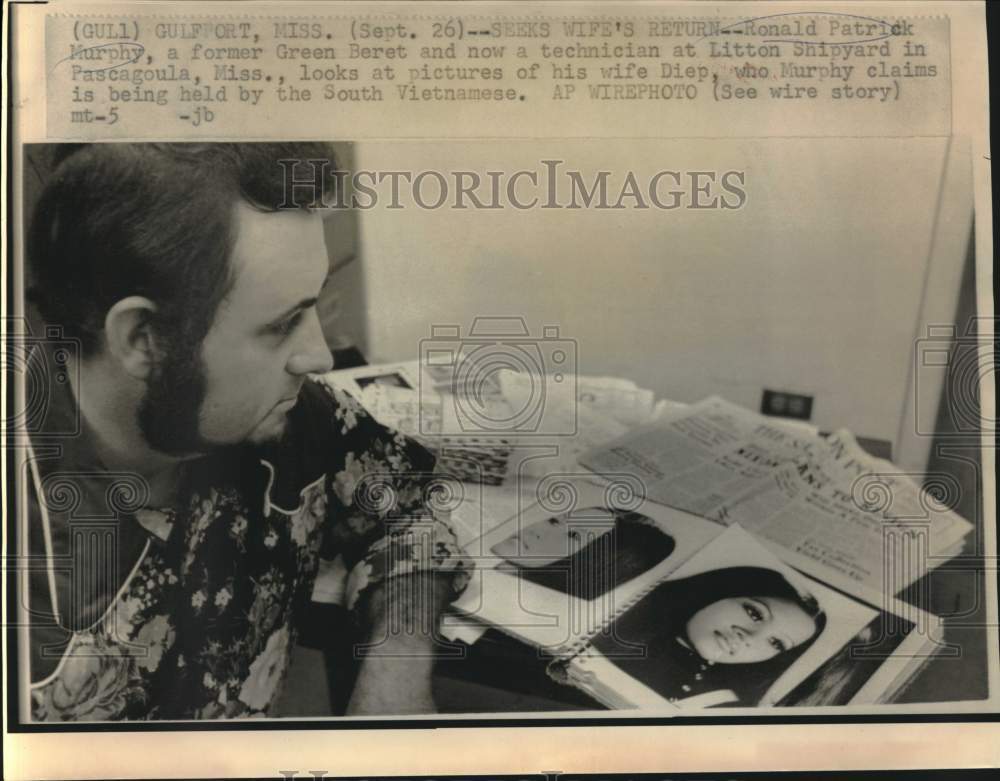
324 425
329 434
324 409
327 411
318 394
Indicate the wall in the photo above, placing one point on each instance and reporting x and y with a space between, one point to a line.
817 285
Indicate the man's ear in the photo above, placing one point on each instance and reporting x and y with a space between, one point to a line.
129 332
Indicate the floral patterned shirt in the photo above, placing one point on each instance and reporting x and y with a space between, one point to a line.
190 611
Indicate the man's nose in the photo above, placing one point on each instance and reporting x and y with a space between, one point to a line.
312 355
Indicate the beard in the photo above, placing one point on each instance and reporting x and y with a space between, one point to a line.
170 412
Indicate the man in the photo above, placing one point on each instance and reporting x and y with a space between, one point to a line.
188 276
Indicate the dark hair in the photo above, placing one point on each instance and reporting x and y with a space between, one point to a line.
842 675
662 616
689 595
154 220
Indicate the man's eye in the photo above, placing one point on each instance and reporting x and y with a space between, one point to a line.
285 327
778 645
753 612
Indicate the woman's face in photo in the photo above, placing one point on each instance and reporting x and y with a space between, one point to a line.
555 538
744 630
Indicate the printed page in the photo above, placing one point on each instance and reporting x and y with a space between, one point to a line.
695 458
850 519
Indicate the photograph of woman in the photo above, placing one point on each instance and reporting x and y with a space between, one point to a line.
587 552
723 636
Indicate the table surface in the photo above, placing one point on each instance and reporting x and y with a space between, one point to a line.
498 674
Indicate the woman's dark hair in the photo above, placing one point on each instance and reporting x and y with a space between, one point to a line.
689 595
155 220
657 621
843 675
633 546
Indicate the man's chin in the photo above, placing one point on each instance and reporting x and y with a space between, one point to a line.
271 430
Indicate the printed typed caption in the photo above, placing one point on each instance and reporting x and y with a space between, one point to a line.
109 76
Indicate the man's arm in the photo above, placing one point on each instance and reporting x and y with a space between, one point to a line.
392 538
395 676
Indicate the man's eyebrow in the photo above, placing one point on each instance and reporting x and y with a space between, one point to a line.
305 303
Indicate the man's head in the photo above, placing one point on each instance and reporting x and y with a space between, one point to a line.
177 264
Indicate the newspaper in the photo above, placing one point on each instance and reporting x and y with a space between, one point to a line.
871 497
844 515
696 458
761 201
